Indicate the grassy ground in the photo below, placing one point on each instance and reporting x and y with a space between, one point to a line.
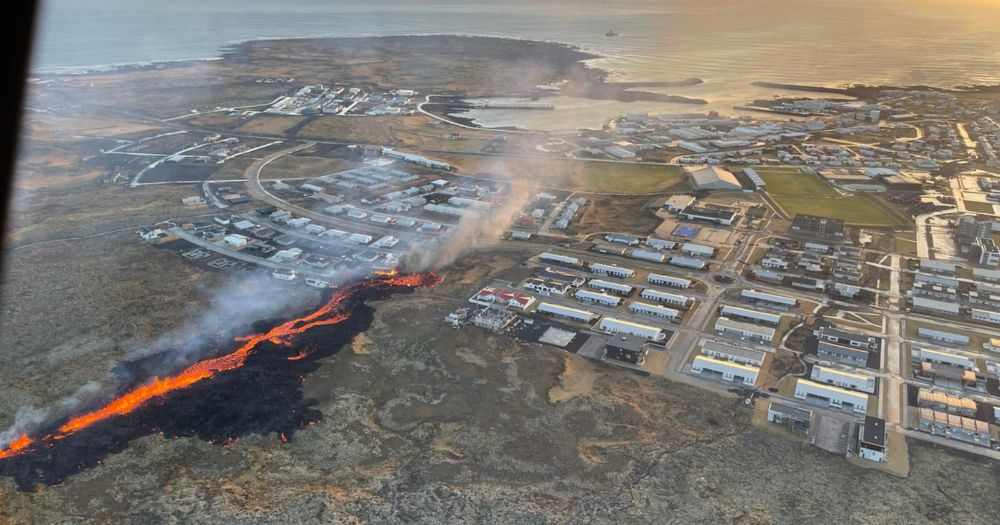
798 192
979 207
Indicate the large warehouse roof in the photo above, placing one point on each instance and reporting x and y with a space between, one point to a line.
714 178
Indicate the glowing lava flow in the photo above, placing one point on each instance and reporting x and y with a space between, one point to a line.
329 314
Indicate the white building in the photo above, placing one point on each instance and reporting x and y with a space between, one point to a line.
675 282
236 241
599 298
756 295
942 336
947 358
687 262
621 289
986 316
584 316
660 244
559 259
744 331
613 271
665 297
648 255
653 309
611 325
835 396
832 376
725 370
753 315
359 238
736 354
697 250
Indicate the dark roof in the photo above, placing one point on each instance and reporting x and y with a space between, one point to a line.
629 342
714 213
790 411
826 227
873 433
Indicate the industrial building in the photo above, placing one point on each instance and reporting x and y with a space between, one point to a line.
954 426
935 266
559 259
871 440
713 178
688 262
648 256
584 316
611 270
945 358
832 376
627 348
736 354
598 298
743 331
938 280
675 282
835 397
611 325
943 337
725 370
665 297
764 297
620 289
735 312
697 250
988 316
796 419
660 244
722 217
622 238
653 309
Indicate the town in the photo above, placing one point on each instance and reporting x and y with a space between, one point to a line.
836 271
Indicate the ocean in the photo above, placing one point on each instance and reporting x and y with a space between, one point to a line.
727 43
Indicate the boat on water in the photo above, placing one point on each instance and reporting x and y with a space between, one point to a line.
610 33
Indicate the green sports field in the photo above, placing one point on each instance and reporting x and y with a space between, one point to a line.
798 192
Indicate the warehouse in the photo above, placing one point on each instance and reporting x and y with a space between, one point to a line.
986 275
736 354
675 282
598 298
611 325
630 240
649 256
660 244
561 276
236 241
832 376
725 370
933 305
664 297
566 313
620 289
947 358
713 178
697 250
947 282
560 259
944 337
747 331
841 353
359 238
653 309
769 275
986 315
687 262
713 215
834 396
941 267
613 271
758 296
735 312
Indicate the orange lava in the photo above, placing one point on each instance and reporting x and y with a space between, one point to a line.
328 314
16 446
